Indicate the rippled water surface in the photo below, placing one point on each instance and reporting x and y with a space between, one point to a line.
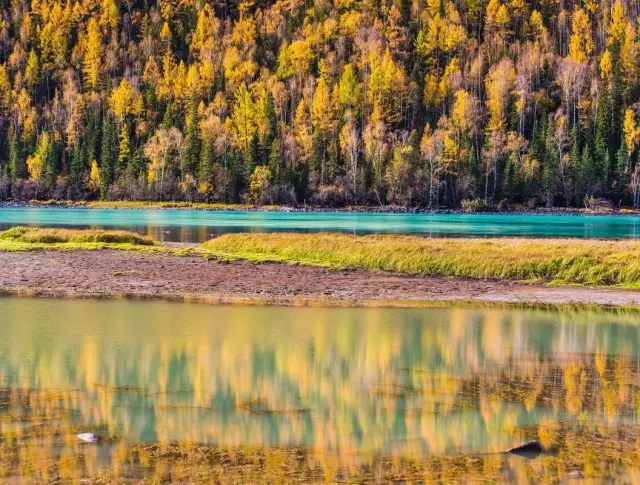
198 226
273 394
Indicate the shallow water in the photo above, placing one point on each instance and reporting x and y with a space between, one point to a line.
346 392
198 226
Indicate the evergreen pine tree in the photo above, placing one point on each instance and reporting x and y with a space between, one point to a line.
550 166
623 169
603 134
78 163
252 159
17 164
124 148
275 163
206 160
52 164
574 169
587 171
93 139
107 155
193 141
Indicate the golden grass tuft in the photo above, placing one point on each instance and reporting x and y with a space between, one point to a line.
554 261
32 235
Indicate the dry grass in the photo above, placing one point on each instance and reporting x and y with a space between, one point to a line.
555 261
57 236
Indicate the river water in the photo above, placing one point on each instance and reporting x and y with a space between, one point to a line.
345 387
199 226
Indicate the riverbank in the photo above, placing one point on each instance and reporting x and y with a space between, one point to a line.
321 269
120 274
201 206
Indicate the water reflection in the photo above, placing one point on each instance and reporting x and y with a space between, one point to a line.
325 391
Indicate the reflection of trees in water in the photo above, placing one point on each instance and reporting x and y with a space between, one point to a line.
587 396
43 449
350 385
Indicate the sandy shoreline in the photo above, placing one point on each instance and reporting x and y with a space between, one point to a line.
123 274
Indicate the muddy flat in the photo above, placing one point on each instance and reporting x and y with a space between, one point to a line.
122 274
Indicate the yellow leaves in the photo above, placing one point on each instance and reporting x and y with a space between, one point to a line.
451 72
518 8
26 114
450 148
631 131
535 26
94 177
617 25
605 65
462 113
581 42
351 22
530 168
124 150
446 35
193 80
259 182
236 69
32 70
157 149
5 87
629 55
35 166
165 85
124 100
302 130
499 83
349 89
591 6
244 33
93 56
165 35
430 89
502 17
386 80
295 59
207 28
244 125
492 11
151 73
454 37
109 14
35 163
207 76
180 89
321 107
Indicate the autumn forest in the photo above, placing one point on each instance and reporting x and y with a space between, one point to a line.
421 103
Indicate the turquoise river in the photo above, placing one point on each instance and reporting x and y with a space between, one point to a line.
198 226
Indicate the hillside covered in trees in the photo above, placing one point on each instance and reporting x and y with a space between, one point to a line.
408 102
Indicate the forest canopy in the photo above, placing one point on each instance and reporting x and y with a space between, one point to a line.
431 103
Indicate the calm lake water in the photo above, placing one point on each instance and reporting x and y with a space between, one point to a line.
198 226
433 390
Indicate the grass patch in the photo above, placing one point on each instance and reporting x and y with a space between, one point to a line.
56 236
22 239
557 261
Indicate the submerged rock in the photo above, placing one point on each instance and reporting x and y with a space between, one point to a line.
528 450
88 437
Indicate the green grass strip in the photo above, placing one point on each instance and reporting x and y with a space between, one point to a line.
557 261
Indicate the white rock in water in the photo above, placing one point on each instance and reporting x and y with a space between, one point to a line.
88 437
